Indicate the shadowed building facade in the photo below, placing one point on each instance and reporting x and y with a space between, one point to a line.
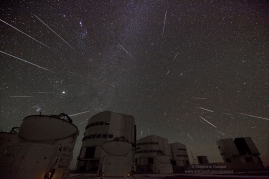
240 154
180 159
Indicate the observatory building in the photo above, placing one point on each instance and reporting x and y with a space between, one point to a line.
101 128
153 154
180 159
43 148
240 154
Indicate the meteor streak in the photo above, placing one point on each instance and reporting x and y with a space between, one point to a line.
43 92
78 113
253 116
25 34
208 122
198 98
54 32
126 51
190 136
176 56
167 73
221 132
26 61
164 22
205 109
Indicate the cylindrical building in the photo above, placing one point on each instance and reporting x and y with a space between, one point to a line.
149 147
44 148
103 127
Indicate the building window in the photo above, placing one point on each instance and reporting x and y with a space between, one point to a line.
96 124
104 135
101 123
110 135
150 160
98 136
222 153
157 143
228 160
90 152
107 123
93 136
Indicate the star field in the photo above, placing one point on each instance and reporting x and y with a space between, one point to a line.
190 71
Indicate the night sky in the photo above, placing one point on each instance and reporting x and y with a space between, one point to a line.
190 71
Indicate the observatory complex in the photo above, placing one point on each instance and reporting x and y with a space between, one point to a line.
42 147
